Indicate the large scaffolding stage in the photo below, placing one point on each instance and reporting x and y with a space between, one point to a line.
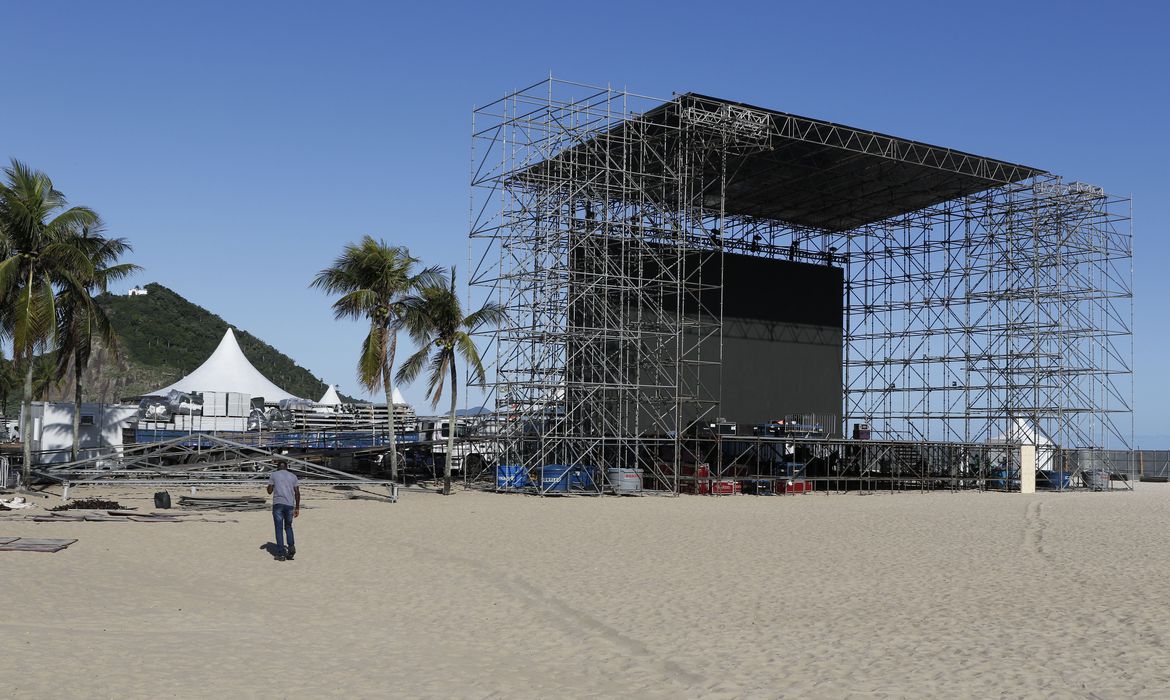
983 302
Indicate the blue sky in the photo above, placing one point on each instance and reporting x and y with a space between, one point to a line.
240 145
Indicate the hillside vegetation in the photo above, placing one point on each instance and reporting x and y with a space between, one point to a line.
164 337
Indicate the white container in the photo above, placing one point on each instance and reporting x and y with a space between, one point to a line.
625 481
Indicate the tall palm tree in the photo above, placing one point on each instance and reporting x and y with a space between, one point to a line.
81 320
374 280
434 318
39 254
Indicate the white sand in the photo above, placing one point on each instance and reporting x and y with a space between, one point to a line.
483 595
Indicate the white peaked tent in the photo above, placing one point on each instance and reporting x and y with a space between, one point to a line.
1025 432
228 370
330 398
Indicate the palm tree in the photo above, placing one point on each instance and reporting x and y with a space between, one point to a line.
81 320
39 254
374 280
9 383
436 323
45 378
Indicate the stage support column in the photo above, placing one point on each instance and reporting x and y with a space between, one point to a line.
1027 469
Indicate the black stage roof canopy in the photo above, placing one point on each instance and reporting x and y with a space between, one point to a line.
805 172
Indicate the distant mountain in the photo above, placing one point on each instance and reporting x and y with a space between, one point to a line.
162 338
476 411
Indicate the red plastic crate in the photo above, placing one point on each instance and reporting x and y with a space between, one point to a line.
794 486
725 487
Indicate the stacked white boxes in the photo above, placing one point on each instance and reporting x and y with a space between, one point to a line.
210 424
214 403
238 405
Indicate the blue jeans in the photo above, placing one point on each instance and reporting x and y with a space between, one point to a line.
282 516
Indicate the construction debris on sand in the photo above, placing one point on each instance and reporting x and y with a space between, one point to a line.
90 504
29 544
223 502
112 516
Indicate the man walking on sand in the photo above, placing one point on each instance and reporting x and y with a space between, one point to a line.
286 505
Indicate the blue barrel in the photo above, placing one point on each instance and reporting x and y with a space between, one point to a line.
554 478
1050 479
583 478
997 483
511 476
1000 480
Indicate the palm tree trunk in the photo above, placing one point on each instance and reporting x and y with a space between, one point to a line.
26 413
76 406
450 436
26 419
388 386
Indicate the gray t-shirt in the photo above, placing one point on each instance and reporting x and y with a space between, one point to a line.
283 482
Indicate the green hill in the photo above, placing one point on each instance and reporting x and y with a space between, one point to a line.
163 337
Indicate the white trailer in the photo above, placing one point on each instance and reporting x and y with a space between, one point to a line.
101 430
470 445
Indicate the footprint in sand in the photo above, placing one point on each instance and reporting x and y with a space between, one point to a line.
1035 524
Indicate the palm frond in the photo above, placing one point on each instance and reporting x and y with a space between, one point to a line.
441 358
97 323
10 277
113 273
412 367
72 221
434 318
490 314
465 346
33 317
371 362
430 277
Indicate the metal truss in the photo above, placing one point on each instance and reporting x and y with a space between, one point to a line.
1000 312
1004 315
197 460
872 143
860 465
598 263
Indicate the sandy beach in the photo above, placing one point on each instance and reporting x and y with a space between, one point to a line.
482 595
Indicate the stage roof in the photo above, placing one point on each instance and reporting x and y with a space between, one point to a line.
805 172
